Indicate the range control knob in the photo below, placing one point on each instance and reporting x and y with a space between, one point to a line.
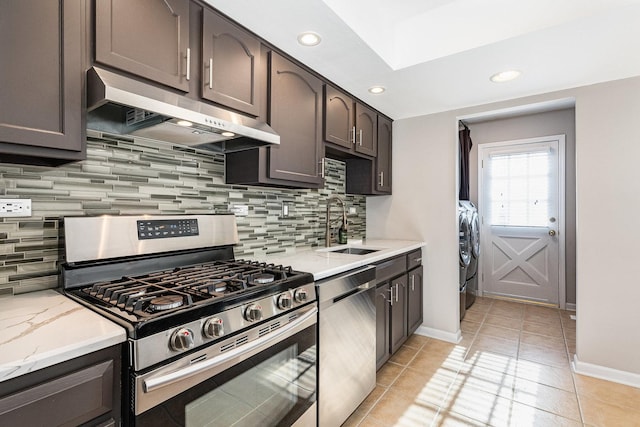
182 340
300 295
253 313
213 328
284 301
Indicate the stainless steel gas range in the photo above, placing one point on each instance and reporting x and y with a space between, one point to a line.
212 340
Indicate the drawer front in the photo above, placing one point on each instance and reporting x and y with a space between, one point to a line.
389 268
414 259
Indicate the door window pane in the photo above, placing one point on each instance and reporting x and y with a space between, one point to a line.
519 188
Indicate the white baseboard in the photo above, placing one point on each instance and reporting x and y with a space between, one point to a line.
440 334
605 373
570 306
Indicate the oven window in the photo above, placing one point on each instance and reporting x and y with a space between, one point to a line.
274 387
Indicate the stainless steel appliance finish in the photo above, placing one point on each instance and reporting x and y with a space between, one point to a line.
102 237
347 343
211 339
124 106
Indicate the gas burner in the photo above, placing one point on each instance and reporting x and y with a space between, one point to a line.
263 278
165 302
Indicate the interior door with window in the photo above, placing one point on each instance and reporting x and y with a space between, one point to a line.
521 205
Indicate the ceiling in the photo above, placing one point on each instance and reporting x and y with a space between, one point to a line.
438 55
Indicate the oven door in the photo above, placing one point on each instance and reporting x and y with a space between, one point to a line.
267 379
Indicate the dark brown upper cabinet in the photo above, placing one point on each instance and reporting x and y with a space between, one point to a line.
383 160
148 38
41 76
295 113
373 176
230 65
348 124
366 130
339 114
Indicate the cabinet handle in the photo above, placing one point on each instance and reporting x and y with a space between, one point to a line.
353 135
322 168
210 73
417 259
413 282
391 296
188 64
396 292
360 141
381 179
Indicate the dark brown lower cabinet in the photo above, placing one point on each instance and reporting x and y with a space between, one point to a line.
82 391
398 303
414 300
382 324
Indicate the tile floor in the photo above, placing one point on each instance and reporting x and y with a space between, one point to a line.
512 368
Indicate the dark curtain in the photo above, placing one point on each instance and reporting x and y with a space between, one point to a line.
464 138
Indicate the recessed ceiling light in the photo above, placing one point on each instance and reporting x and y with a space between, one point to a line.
377 89
184 123
228 134
309 38
505 76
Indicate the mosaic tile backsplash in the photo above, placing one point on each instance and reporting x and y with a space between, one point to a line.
123 176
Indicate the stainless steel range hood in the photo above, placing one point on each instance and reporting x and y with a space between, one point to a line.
124 106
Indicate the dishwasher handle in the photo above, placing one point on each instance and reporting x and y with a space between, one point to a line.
343 285
360 289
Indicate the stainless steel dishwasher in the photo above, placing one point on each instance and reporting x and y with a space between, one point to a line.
347 343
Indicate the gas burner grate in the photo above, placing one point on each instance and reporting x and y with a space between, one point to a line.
164 291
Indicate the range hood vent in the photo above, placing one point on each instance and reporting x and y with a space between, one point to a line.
124 106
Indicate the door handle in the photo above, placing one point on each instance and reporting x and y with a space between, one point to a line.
552 233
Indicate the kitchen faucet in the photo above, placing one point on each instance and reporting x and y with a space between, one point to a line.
339 200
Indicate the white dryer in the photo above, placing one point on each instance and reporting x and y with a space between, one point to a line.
472 270
464 233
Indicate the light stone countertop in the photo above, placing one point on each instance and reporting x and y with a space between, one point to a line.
323 263
41 329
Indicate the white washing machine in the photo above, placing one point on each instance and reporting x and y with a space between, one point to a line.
472 270
464 233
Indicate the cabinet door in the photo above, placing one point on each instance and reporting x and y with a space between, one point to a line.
148 38
81 391
295 112
366 130
382 324
41 77
231 63
414 300
399 331
383 160
338 118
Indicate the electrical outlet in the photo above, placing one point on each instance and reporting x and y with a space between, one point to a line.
352 210
15 207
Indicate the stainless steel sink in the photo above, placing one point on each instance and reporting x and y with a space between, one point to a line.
354 251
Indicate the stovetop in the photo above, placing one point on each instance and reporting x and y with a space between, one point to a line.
159 300
164 292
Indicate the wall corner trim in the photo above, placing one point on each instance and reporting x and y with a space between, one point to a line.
605 373
439 334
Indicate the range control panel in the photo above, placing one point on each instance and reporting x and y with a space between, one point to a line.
165 228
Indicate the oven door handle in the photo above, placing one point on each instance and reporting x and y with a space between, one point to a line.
244 352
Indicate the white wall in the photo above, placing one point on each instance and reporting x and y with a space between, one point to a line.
608 234
422 208
607 195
